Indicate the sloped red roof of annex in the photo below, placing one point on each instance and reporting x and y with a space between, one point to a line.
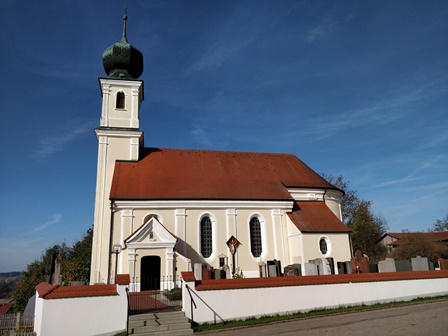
199 174
311 217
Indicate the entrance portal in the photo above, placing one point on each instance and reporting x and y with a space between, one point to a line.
150 273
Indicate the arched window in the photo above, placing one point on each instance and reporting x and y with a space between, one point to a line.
120 100
206 237
323 246
255 237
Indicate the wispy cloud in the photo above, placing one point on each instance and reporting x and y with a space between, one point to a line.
320 31
201 136
53 220
49 145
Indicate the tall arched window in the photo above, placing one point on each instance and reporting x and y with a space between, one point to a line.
255 237
206 237
120 100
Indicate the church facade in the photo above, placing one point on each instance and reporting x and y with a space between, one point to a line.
160 211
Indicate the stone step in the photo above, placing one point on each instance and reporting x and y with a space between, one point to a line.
167 323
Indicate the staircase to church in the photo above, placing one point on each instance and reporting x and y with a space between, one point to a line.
166 323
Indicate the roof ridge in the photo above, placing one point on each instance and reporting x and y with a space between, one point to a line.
218 151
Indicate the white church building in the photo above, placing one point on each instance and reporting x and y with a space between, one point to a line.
160 211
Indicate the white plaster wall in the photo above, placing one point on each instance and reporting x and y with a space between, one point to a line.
212 306
105 315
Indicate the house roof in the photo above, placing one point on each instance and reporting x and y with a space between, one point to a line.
4 308
435 236
310 217
199 174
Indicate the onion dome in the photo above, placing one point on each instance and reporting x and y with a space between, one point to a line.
121 60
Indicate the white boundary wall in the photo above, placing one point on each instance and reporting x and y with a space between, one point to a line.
98 315
231 304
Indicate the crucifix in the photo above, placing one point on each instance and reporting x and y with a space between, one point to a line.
233 245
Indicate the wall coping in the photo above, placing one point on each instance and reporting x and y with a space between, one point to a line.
47 291
243 283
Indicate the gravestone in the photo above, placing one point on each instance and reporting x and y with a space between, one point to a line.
420 264
278 270
228 273
290 271
272 270
206 274
319 266
342 267
349 267
359 264
387 265
219 274
311 269
443 264
330 262
403 265
198 271
262 269
373 268
299 268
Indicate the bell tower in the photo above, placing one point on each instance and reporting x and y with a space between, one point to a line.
119 138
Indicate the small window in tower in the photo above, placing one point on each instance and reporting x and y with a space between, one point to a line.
120 100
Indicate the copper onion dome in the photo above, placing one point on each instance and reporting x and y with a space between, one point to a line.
121 60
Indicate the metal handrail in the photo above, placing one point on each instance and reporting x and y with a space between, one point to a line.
191 305
129 310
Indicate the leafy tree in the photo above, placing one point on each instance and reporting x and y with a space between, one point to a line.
367 228
418 244
441 224
37 272
75 266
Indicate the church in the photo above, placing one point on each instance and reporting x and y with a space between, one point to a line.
162 211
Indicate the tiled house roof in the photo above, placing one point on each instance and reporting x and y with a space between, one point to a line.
198 174
435 236
310 217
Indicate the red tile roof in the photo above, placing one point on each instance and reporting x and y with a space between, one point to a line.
48 291
199 174
311 217
4 308
435 236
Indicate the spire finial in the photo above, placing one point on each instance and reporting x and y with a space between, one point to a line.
125 17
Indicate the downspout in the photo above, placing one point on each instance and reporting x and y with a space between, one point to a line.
110 241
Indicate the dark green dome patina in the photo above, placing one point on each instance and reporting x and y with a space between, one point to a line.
122 60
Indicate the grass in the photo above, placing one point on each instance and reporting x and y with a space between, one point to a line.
320 312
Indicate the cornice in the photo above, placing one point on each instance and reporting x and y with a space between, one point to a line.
200 204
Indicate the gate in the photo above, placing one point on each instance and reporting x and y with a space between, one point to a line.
169 298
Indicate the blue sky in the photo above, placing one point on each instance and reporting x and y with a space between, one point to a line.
358 88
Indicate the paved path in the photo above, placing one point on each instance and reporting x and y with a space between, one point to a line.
429 318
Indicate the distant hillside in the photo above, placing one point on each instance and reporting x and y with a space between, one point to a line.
10 274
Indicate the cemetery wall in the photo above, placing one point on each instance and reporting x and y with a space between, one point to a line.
227 299
80 310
